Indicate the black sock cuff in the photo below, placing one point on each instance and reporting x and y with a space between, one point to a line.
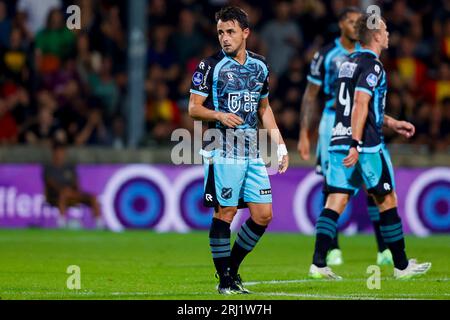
330 214
219 229
256 228
389 216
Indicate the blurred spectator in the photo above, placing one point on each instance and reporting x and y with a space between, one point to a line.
45 129
440 126
159 14
283 38
412 71
118 134
5 25
103 86
8 126
439 88
74 84
62 189
187 41
113 39
14 59
445 44
289 126
162 114
92 130
32 14
54 43
159 52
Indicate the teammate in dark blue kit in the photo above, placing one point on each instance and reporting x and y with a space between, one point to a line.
322 78
230 91
358 154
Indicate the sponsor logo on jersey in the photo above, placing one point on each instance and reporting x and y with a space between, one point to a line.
341 130
347 70
248 101
204 86
201 65
315 64
197 78
377 68
386 186
372 80
264 192
208 197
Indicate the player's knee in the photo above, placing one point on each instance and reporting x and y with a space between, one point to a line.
263 218
226 213
387 201
337 202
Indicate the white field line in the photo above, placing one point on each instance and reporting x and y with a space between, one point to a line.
376 296
394 296
254 283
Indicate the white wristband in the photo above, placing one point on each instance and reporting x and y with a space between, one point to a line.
281 152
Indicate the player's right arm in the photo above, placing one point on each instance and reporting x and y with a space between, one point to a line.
198 112
368 78
309 103
358 121
404 128
308 108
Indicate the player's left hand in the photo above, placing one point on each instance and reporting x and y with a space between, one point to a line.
352 158
405 128
284 164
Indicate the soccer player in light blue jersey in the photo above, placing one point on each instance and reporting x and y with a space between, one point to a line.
322 79
358 154
230 92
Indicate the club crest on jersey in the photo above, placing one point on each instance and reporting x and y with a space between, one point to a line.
197 78
372 80
227 193
234 101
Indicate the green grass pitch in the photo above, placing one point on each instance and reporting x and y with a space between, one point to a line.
148 265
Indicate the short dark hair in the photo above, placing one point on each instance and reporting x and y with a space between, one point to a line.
343 14
364 32
233 13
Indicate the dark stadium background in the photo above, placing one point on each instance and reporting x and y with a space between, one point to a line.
55 86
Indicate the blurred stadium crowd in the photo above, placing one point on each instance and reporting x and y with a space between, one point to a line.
71 85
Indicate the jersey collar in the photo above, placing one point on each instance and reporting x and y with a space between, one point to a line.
338 43
233 60
369 51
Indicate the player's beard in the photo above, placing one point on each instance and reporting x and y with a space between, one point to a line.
351 38
233 53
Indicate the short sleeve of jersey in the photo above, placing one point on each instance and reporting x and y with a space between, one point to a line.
202 79
265 88
368 77
316 70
